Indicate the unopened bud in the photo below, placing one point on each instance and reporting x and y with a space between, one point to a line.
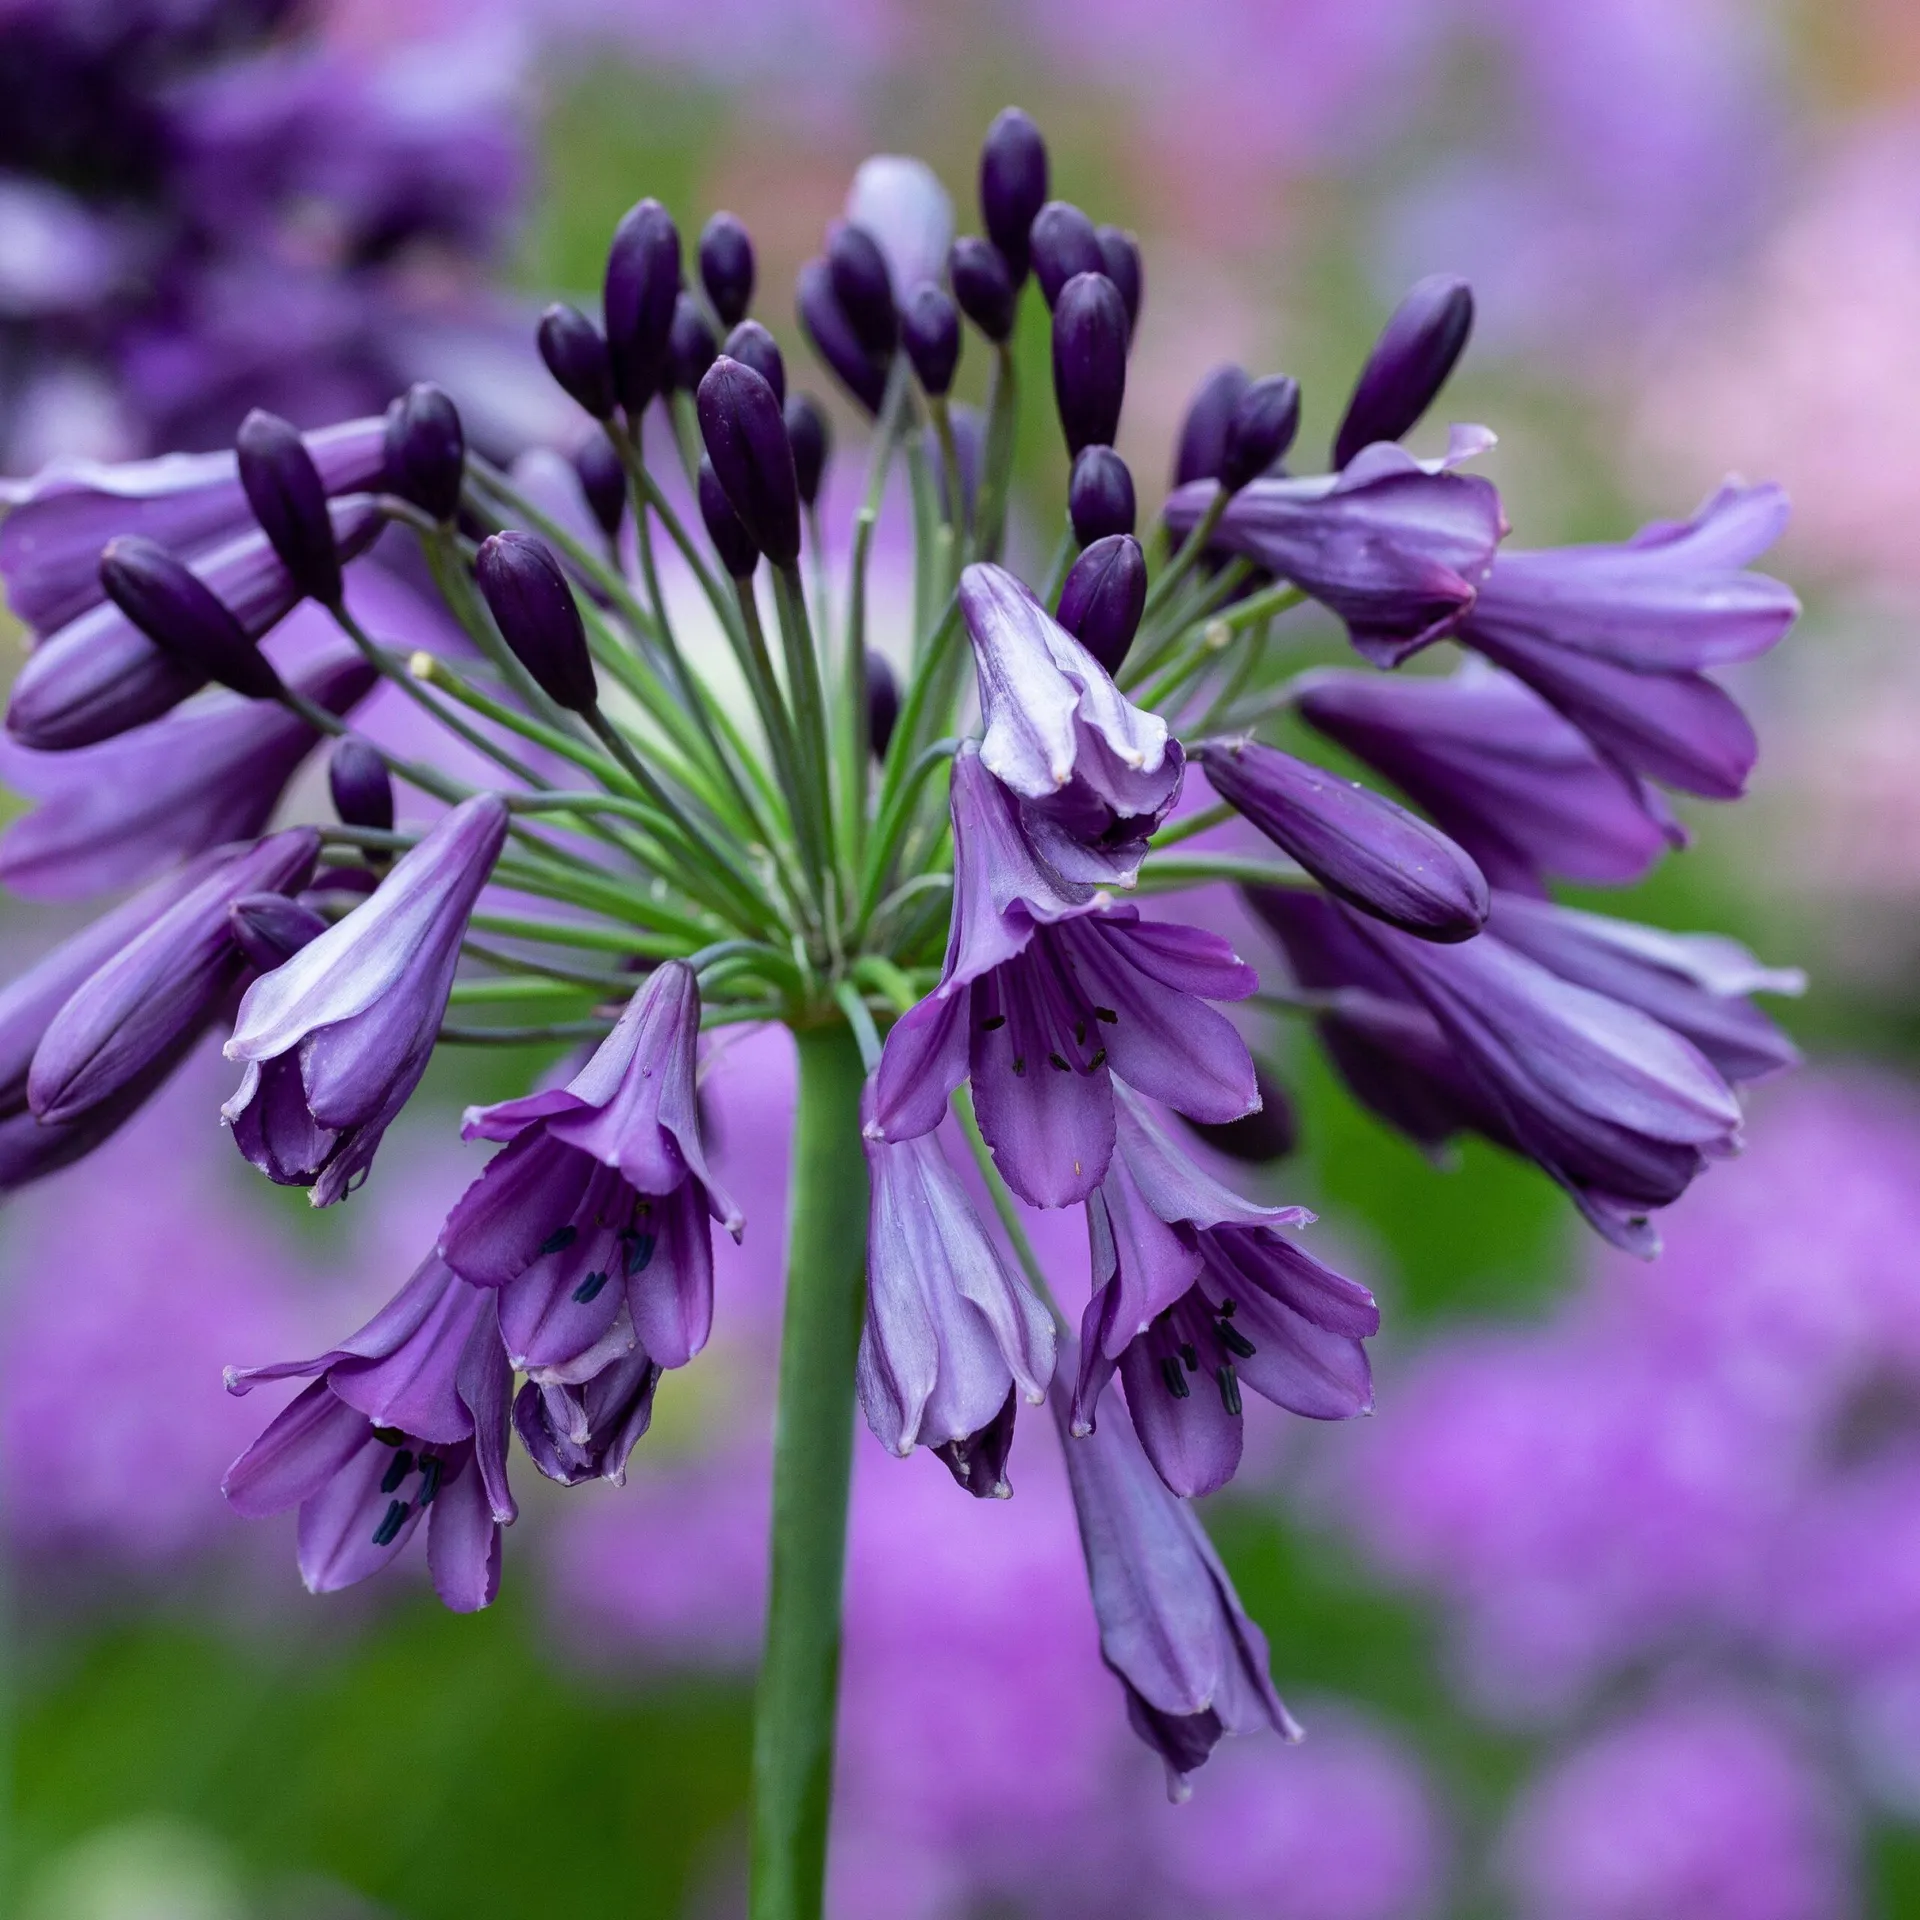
270 928
753 346
289 499
691 347
834 339
1104 596
812 442
1203 434
361 786
1100 496
930 332
1409 364
534 608
1260 430
746 438
1089 359
603 480
1120 254
184 617
982 286
1013 186
642 288
576 356
731 541
426 450
1062 244
863 287
726 267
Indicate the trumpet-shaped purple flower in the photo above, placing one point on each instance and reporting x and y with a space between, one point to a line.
1616 636
408 1419
1172 1630
1096 775
203 775
336 1040
1198 1293
1397 547
594 1221
1047 994
1516 785
951 1336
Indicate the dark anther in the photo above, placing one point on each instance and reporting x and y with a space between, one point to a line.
431 1468
1188 1354
388 1530
1175 1379
589 1288
1098 1061
1019 1065
1229 1390
1058 1064
401 1466
1229 1308
560 1239
993 1023
1235 1341
1108 1015
388 1436
640 1248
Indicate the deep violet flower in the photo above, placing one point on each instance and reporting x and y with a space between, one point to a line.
336 1040
1197 1293
1397 547
1046 995
1408 366
408 1419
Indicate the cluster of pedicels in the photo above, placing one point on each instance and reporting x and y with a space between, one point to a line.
932 859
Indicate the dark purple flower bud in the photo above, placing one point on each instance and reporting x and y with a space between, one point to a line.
1409 364
576 355
1013 186
726 267
691 348
1260 430
863 287
930 332
1104 597
753 346
1063 244
271 929
747 442
1203 434
1268 1134
641 290
289 499
982 286
731 541
535 610
184 618
1357 843
1120 258
1089 360
834 339
812 442
1100 495
883 703
360 784
603 481
426 450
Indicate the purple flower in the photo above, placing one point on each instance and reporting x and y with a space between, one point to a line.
1517 786
1172 1630
1616 636
203 775
1408 366
1047 994
1357 843
1196 1293
1096 774
594 1221
951 1336
408 1418
1397 547
336 1040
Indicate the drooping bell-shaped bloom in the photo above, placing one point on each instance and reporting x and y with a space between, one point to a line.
1408 366
950 1332
1095 774
1397 547
1357 843
594 1222
1172 1629
1516 785
1198 1293
207 773
406 1420
1046 995
1616 636
336 1040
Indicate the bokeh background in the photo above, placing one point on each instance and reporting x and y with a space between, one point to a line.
1613 1611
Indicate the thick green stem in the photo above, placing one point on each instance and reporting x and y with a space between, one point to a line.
812 1458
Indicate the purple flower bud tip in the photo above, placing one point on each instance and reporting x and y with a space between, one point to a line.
726 267
691 347
1259 430
538 617
1089 359
1013 186
289 499
753 346
812 442
1062 245
930 331
576 356
863 287
747 442
426 450
1120 256
731 541
1104 597
1100 496
863 374
360 784
270 929
983 286
603 480
1409 364
642 288
1203 434
883 703
184 618
1271 1132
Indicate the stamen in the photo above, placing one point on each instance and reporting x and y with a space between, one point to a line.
1229 1390
1235 1341
589 1288
401 1466
560 1239
1019 1068
388 1530
431 1468
1058 1064
1175 1379
993 1023
1189 1356
1108 1015
1098 1061
388 1436
1079 1033
1229 1308
639 1252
